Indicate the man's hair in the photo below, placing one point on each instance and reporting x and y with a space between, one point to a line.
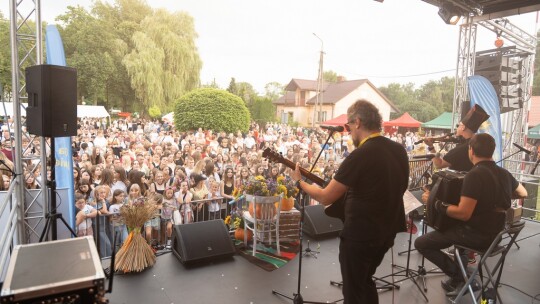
367 113
482 145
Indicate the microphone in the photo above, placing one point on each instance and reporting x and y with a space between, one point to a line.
427 156
333 128
521 148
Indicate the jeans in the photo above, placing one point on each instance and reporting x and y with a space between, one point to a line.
359 261
430 245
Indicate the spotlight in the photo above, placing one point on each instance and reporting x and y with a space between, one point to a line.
449 14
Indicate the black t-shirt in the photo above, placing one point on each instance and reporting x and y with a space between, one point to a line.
459 158
377 174
491 186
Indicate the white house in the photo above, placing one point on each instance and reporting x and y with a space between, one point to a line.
300 98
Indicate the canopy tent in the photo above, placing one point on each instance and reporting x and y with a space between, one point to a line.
404 120
443 121
336 121
168 117
6 109
91 111
534 133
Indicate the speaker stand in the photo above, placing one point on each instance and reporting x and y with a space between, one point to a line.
52 216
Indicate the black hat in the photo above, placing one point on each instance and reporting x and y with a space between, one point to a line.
474 118
198 177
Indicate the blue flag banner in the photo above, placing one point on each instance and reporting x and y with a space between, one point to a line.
62 145
483 94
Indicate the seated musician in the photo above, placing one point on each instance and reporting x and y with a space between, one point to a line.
487 190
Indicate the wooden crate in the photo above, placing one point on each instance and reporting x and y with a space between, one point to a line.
289 225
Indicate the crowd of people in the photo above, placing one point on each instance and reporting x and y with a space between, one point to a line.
193 172
196 173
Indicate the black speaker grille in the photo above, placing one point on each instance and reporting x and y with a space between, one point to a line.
201 241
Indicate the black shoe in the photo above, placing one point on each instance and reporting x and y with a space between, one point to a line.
451 284
455 292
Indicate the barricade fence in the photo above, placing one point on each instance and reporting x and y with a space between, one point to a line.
105 226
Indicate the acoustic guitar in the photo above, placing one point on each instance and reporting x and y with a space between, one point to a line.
336 209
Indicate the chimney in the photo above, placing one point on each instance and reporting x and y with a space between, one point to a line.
341 79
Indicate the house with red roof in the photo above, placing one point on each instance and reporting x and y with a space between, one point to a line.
298 102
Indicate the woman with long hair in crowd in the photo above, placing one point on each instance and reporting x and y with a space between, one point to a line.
96 172
200 192
227 184
134 192
30 181
138 177
160 183
76 176
84 159
243 178
100 197
97 156
120 179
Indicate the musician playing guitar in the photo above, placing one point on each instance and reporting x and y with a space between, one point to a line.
373 179
485 195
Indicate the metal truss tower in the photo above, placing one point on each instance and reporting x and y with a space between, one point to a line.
26 50
514 122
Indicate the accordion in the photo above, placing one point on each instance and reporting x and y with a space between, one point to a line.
446 187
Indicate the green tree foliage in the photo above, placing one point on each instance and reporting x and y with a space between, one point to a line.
213 109
330 76
154 112
429 101
87 43
5 58
274 90
262 110
130 55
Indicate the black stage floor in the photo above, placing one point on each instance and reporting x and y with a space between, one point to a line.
237 281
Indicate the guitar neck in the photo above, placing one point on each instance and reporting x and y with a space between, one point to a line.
305 173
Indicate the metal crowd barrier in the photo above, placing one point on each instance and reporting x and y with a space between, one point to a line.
103 226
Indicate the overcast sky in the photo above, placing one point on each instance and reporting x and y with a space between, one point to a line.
261 41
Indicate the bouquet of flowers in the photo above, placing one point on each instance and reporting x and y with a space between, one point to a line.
286 186
136 254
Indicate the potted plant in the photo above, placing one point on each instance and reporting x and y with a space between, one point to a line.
236 223
286 187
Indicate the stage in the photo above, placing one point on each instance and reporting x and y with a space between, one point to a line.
236 280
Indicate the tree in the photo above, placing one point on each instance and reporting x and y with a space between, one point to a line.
438 93
330 76
213 109
5 58
274 90
399 94
87 48
165 63
262 110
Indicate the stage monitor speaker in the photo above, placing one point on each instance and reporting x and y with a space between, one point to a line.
52 100
318 224
201 241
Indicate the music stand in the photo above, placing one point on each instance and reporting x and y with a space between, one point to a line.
302 197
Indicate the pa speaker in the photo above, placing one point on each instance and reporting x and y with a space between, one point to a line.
318 224
52 100
201 241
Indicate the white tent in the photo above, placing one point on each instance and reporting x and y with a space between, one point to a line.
6 109
168 117
91 111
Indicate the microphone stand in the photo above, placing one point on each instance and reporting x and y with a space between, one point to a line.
302 197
